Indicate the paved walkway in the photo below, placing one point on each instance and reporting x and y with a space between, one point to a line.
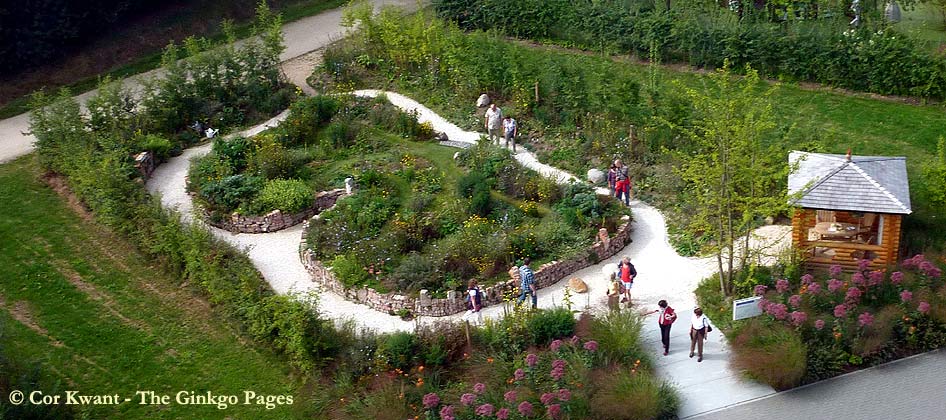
908 389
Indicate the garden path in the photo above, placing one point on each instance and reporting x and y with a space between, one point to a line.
664 274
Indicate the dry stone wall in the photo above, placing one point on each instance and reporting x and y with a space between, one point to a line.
425 305
276 219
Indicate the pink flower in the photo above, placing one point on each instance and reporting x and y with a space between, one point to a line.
431 400
799 317
525 408
591 345
554 411
853 295
519 374
446 411
557 373
923 307
819 324
875 277
795 301
574 340
840 311
547 398
896 277
835 270
930 270
807 279
834 285
485 410
502 414
906 295
559 363
531 360
556 344
911 263
764 304
814 288
858 279
479 387
782 285
778 310
760 289
865 319
467 399
510 396
863 264
564 394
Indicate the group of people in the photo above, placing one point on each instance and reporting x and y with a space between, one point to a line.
699 326
619 181
500 126
523 274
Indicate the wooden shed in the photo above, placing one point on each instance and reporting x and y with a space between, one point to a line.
848 208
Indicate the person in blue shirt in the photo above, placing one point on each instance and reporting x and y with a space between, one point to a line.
527 283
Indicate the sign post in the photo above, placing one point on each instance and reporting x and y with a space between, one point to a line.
746 308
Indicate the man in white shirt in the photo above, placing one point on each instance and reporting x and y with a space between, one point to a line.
494 123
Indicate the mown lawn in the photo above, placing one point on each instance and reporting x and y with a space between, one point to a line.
94 315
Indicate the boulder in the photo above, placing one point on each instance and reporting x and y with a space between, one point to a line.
482 101
441 136
596 176
577 285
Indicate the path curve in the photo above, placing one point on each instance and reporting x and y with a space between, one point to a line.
664 274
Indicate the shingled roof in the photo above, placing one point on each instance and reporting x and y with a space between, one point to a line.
876 184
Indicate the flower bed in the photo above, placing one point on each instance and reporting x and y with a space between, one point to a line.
425 305
276 219
815 327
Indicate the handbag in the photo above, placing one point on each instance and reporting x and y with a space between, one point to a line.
709 328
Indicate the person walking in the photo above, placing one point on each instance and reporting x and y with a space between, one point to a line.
664 321
622 185
699 326
612 177
494 123
627 273
510 130
474 303
527 283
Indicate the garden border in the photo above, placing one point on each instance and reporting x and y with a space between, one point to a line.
275 220
424 305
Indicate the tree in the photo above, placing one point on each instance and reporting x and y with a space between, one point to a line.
734 174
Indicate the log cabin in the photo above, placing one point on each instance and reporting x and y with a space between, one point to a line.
848 208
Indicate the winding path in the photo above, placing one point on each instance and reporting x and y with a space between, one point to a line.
664 274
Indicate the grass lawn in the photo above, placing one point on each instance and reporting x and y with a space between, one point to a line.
96 316
926 23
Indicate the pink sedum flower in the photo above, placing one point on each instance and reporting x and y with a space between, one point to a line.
834 285
564 394
819 324
531 360
807 279
835 270
519 374
760 289
865 319
554 411
485 410
502 414
591 345
547 398
525 409
840 311
814 288
906 296
467 399
853 295
923 307
799 318
782 286
447 411
896 277
431 400
556 344
794 301
479 388
510 396
863 264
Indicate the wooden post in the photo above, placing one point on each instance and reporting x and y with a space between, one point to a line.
466 329
536 92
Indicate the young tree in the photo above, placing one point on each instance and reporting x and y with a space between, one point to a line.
734 174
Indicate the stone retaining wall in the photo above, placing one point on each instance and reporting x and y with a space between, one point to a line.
424 305
276 219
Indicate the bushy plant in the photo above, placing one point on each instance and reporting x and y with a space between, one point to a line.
272 160
399 349
232 192
771 353
417 271
618 336
288 195
350 270
308 115
234 152
551 324
159 146
625 395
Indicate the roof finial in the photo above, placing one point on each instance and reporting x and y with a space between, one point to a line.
848 154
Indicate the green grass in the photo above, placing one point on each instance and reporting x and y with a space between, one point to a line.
152 60
926 23
97 316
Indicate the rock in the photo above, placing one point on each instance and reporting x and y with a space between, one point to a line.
452 295
456 155
577 285
441 136
482 101
596 176
769 220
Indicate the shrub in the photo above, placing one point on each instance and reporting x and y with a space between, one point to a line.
618 336
624 395
159 146
307 115
234 152
547 325
349 270
288 195
417 271
399 350
294 328
272 160
231 192
770 352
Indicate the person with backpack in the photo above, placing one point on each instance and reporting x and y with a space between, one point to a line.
699 326
527 283
626 273
665 320
474 303
623 183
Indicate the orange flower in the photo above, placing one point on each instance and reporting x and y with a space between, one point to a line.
420 368
489 360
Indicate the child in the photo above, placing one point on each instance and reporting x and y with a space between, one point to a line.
474 302
614 293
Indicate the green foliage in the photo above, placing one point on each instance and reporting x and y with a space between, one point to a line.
399 350
418 271
293 328
272 160
307 115
935 174
288 195
350 270
548 325
618 336
159 146
234 152
874 58
626 395
771 353
231 192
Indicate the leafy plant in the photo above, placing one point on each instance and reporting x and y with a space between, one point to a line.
288 195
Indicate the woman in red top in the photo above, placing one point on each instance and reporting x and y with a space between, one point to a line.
664 321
